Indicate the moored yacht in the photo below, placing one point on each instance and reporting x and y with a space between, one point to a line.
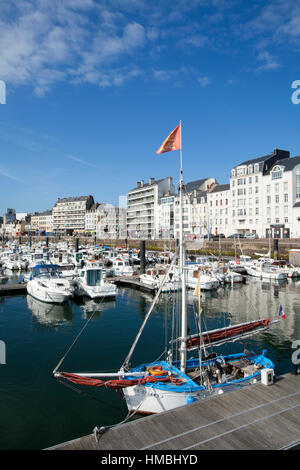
48 285
91 283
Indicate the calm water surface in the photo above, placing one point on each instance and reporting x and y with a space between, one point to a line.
37 411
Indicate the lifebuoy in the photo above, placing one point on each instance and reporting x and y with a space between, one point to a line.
157 371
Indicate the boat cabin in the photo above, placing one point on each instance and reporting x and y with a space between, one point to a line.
91 276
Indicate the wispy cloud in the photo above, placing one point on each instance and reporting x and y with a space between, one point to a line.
10 176
80 160
267 62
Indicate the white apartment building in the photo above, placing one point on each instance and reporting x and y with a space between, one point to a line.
199 213
142 207
265 196
191 190
111 222
165 216
91 219
69 214
218 207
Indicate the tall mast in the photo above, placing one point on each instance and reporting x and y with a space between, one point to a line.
182 269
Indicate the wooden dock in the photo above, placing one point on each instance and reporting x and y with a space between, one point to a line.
13 289
257 417
131 281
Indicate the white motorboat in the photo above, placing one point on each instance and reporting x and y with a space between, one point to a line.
264 270
155 277
121 267
91 283
208 281
48 284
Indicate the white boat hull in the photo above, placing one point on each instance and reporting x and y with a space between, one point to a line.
47 294
96 292
149 400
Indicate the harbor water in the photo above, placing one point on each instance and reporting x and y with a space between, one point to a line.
37 411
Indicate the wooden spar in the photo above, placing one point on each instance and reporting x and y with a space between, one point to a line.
230 333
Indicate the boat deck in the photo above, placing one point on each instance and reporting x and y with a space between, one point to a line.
258 417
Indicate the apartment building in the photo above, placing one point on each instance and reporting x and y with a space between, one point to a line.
218 208
265 196
91 219
42 222
142 207
111 222
189 211
69 214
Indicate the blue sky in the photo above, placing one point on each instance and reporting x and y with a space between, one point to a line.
95 86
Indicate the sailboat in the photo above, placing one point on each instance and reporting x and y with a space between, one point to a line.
163 385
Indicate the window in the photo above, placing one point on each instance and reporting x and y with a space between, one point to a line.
277 188
250 180
256 179
276 173
277 198
256 189
268 199
285 186
286 197
268 188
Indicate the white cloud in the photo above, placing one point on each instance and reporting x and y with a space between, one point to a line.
43 42
267 61
204 81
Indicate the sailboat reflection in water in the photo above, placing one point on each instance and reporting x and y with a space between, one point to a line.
166 384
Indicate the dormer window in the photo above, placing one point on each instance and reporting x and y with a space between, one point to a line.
256 167
232 172
250 169
276 173
241 170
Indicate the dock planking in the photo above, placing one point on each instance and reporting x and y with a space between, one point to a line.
13 289
134 282
257 417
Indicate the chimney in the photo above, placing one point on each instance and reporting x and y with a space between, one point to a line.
151 180
142 183
138 184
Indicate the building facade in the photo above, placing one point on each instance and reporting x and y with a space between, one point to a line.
69 214
142 207
42 222
111 222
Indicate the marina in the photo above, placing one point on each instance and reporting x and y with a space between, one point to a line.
37 334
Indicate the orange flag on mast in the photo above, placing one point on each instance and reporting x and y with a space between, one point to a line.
172 142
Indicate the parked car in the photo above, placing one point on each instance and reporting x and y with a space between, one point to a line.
217 237
236 235
251 235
